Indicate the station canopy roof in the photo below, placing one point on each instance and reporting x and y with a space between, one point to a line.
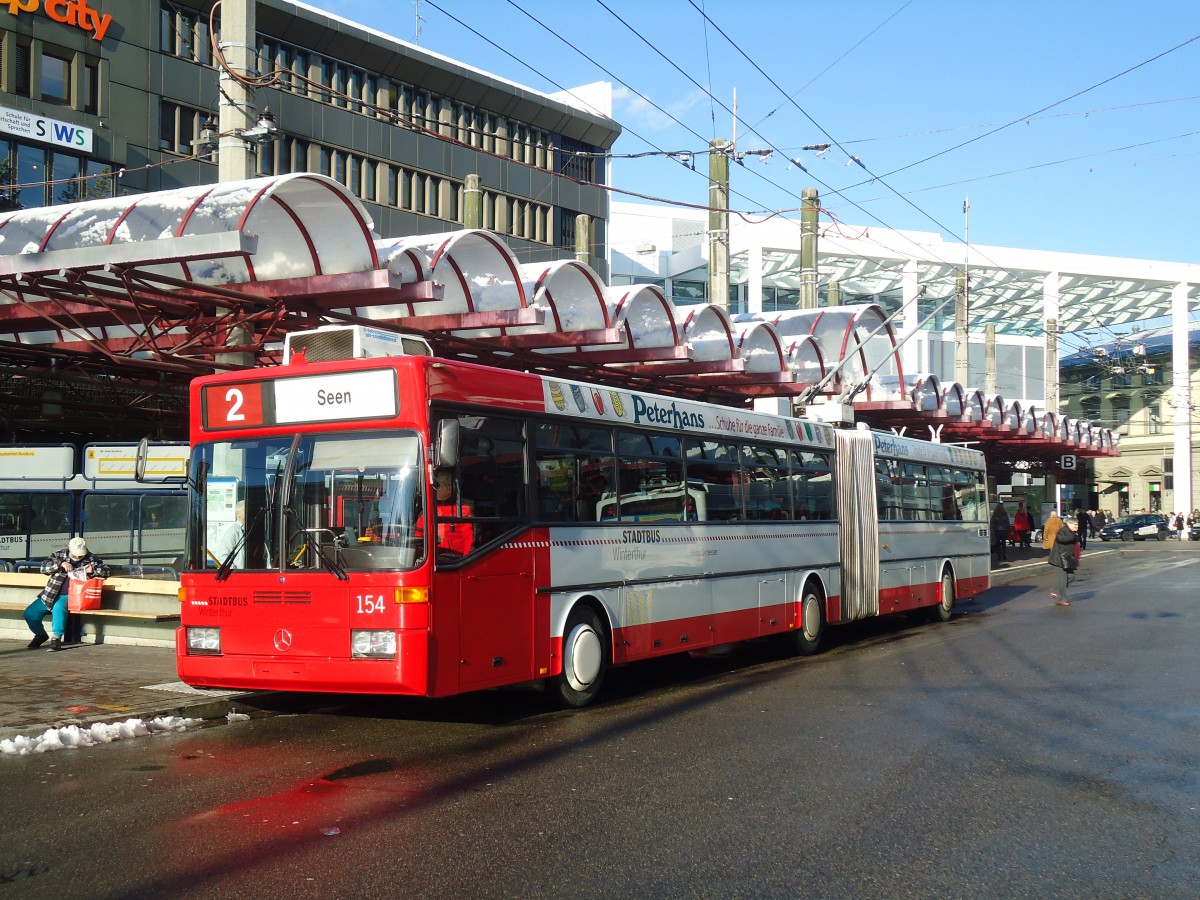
109 307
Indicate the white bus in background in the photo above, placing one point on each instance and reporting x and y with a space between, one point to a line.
51 493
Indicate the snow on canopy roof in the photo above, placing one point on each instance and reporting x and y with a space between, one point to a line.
645 316
302 224
802 355
708 334
571 291
478 269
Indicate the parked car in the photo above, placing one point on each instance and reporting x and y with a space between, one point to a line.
1144 526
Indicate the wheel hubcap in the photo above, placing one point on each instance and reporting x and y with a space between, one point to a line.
583 657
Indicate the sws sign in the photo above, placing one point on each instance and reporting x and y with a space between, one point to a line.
45 130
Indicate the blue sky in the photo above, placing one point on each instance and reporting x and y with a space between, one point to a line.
1071 126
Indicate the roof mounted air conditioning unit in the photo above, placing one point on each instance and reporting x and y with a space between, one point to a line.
332 342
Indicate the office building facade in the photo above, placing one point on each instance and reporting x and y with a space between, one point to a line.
98 97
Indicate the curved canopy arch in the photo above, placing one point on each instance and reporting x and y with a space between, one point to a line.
858 337
570 291
803 357
303 224
954 401
760 347
645 316
926 393
708 333
478 270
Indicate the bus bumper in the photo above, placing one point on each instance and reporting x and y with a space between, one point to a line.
407 674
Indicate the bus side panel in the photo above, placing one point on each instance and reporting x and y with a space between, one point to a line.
486 614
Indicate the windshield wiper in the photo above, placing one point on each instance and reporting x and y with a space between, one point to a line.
332 565
226 566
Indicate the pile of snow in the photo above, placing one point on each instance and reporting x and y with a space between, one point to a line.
71 737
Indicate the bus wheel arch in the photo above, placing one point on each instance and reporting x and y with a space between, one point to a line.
810 630
586 655
944 608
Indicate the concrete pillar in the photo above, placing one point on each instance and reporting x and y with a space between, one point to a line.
962 357
583 239
473 202
235 156
718 222
1050 329
809 212
1050 297
754 276
1181 406
989 359
833 293
910 351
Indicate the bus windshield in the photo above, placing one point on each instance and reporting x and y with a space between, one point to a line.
346 502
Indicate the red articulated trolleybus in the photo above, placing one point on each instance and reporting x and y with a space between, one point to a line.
413 525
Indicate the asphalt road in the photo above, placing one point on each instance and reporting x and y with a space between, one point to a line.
1022 750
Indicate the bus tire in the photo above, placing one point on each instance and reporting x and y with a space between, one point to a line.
806 639
945 605
584 658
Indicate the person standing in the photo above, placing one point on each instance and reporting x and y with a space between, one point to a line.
1050 530
1022 526
53 599
1000 529
1065 559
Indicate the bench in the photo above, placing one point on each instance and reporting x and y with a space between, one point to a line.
114 613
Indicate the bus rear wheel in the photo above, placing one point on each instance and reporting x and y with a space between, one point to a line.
945 605
806 639
584 659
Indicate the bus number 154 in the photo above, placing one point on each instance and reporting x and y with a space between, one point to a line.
370 603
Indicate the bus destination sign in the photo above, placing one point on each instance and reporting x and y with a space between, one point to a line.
343 397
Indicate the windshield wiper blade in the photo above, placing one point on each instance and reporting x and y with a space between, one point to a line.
226 566
332 565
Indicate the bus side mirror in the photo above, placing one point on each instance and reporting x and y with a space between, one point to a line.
445 451
141 460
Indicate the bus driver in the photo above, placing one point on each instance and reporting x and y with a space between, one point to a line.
456 538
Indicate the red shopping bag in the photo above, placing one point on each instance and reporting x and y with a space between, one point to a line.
83 594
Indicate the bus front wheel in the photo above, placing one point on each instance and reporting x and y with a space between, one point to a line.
584 658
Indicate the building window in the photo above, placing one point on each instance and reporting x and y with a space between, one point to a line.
56 79
91 87
23 77
179 126
1120 411
31 176
689 291
1154 412
184 33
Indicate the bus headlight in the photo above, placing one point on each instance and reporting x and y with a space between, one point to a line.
204 640
373 644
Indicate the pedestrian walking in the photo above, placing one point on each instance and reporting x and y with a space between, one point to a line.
1083 527
1064 557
